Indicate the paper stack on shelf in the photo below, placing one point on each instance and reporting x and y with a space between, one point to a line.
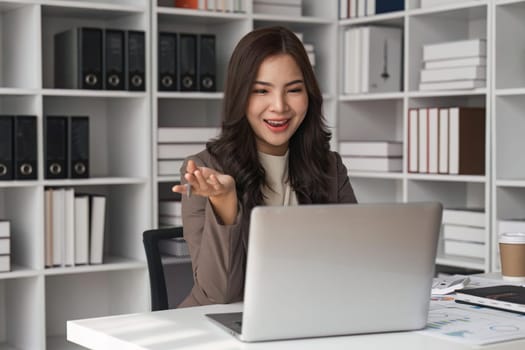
5 246
454 65
175 144
279 7
464 232
382 156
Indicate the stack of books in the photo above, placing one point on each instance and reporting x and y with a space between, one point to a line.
372 59
310 49
5 246
454 65
381 156
433 3
464 232
446 140
279 7
361 8
207 5
175 144
74 227
170 213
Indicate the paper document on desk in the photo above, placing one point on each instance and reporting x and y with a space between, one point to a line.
472 324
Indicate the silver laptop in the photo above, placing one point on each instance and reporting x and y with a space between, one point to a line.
337 269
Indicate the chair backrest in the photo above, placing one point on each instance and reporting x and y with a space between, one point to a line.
151 238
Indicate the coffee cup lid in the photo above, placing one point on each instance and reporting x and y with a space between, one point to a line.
512 238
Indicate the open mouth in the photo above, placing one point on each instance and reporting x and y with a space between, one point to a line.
277 123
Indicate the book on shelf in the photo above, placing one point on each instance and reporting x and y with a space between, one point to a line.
179 151
464 216
5 246
169 167
97 228
467 140
456 62
413 140
455 49
170 208
186 134
466 84
443 141
48 227
503 297
464 233
5 229
423 140
464 249
371 148
58 225
175 246
5 263
81 214
69 228
433 140
381 164
452 74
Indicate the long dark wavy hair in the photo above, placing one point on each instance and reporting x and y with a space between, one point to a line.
235 149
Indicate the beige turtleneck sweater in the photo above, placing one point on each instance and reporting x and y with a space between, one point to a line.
278 191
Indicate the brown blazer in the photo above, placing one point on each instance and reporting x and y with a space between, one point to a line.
218 254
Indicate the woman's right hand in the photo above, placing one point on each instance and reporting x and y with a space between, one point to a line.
219 188
206 182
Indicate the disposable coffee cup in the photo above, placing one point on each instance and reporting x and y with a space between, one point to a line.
512 254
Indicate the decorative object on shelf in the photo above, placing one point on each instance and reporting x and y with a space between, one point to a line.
372 59
454 65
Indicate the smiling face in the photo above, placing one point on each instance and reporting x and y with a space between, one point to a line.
277 104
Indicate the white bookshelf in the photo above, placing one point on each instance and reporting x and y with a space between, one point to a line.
35 302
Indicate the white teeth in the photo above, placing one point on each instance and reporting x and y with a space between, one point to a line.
276 123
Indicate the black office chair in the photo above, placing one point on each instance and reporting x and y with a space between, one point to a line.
151 238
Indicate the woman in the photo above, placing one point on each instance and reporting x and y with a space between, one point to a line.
273 150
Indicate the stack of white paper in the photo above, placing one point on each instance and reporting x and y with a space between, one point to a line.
454 65
5 246
464 232
381 156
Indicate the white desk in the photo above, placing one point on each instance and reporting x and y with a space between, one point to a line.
189 329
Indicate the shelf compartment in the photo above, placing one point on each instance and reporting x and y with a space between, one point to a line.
509 23
78 296
21 313
57 19
374 190
227 34
432 27
22 208
20 66
450 194
508 134
119 135
127 216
